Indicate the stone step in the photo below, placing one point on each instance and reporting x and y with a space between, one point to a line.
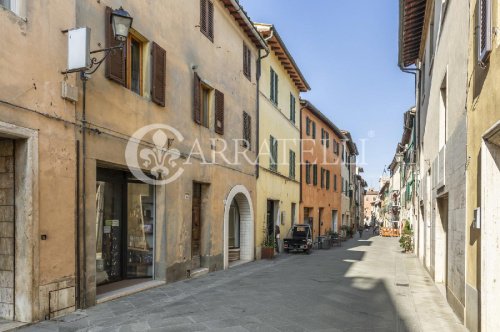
196 273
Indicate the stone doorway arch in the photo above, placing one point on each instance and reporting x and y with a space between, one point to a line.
241 196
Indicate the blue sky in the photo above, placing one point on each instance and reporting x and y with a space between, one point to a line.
348 52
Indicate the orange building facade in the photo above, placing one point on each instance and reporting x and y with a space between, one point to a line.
321 180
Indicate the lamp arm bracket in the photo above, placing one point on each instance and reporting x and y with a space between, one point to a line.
96 63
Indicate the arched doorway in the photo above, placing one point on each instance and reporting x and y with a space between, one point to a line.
238 227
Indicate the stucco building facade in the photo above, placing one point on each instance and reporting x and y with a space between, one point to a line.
440 52
321 193
85 227
278 183
483 156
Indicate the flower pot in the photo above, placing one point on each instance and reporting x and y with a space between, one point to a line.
267 253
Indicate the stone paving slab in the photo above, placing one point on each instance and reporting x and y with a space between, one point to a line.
365 285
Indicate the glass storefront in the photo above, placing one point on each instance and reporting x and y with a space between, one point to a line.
125 223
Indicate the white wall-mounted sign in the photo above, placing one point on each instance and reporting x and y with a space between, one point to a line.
78 49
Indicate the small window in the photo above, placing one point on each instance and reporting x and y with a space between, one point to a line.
247 62
315 174
313 130
308 173
292 108
327 180
485 35
207 18
335 182
322 177
205 105
273 161
292 165
247 130
134 64
308 126
274 87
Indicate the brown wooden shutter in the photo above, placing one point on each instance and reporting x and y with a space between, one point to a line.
115 62
203 16
247 130
219 112
158 77
197 99
210 21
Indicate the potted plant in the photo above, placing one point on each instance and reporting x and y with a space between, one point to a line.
267 250
406 239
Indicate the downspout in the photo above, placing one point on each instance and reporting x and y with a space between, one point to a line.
84 79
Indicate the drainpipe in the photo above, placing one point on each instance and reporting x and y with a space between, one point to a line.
84 79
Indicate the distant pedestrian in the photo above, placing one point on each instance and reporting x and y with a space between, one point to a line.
360 231
277 238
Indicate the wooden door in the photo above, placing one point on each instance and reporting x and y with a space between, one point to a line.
196 226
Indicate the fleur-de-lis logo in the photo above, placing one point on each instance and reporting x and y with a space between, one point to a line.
158 158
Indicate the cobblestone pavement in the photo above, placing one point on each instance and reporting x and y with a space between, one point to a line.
366 285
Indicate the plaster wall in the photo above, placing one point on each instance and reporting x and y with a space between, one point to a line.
275 121
32 56
483 100
313 196
446 67
119 112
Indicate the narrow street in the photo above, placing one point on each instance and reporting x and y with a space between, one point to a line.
366 285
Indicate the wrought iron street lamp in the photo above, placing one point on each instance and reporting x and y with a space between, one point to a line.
121 22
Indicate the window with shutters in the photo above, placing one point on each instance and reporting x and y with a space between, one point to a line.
158 74
273 160
322 177
308 173
484 42
292 165
202 101
313 124
292 108
247 130
335 182
274 87
207 18
327 180
327 138
247 62
315 174
206 93
219 112
126 66
322 136
134 64
308 126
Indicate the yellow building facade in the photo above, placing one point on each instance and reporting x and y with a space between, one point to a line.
483 162
278 183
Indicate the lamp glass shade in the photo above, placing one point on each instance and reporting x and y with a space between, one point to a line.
121 22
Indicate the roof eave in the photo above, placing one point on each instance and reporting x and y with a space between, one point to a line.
307 104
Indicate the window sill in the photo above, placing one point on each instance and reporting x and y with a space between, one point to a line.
14 15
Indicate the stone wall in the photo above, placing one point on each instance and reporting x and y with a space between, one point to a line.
7 228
